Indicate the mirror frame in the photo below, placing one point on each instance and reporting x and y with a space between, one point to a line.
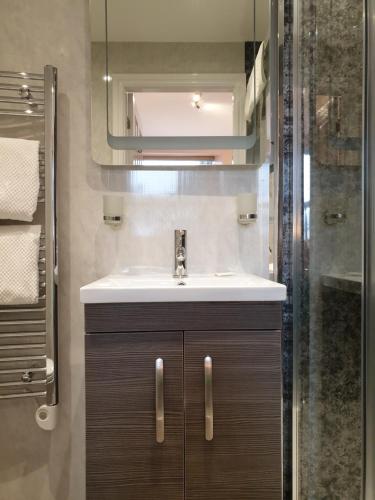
235 143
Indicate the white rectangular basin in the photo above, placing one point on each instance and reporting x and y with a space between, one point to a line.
197 288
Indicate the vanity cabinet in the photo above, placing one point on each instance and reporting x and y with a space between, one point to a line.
219 389
124 460
243 459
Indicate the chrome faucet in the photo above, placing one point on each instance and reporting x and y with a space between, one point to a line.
180 254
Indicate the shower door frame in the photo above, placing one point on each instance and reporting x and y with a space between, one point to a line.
297 239
369 257
368 266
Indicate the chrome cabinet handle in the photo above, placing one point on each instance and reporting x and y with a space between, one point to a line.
209 410
159 400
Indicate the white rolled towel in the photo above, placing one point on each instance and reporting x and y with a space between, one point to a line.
19 178
19 264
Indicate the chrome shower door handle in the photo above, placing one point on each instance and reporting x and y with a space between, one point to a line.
159 400
208 397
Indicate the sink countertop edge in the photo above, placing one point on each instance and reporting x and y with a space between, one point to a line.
261 290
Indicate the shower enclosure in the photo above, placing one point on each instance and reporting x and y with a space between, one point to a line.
333 271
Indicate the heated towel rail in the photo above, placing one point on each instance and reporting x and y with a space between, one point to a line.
28 334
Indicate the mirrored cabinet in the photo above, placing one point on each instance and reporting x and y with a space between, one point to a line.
182 84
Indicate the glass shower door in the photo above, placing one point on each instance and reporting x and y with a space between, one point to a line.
328 250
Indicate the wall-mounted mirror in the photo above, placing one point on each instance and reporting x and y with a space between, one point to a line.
181 83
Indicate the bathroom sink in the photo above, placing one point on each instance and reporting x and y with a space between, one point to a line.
195 288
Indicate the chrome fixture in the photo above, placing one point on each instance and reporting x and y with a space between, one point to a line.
29 333
196 101
334 218
159 400
180 254
208 399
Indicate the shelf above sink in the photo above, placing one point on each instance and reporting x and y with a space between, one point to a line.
196 288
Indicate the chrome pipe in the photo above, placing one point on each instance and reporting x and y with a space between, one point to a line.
15 335
21 370
50 92
24 395
21 383
14 100
41 357
17 112
13 86
23 310
21 347
23 322
21 75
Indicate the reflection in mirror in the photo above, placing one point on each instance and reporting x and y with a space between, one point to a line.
180 83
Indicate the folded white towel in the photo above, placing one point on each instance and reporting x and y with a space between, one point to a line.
19 178
19 264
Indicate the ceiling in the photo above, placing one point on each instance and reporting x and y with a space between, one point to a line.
180 118
179 20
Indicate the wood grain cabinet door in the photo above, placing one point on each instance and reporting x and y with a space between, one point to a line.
124 459
243 459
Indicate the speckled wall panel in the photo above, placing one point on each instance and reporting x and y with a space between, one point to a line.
286 239
331 36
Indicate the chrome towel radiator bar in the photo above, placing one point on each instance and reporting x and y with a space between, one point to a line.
28 334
